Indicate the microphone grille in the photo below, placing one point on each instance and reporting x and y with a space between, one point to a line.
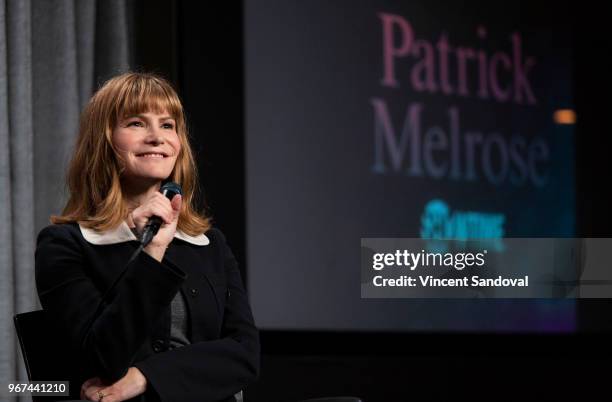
170 189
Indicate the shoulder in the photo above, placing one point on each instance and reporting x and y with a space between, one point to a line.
219 244
59 248
218 239
215 235
68 231
59 240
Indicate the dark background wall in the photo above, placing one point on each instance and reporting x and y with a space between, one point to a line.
386 366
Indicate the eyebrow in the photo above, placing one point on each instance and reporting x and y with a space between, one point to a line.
144 117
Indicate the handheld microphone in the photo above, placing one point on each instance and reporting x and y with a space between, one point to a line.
169 189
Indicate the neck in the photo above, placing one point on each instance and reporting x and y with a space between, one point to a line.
135 193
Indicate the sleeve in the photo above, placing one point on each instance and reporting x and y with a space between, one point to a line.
106 342
216 369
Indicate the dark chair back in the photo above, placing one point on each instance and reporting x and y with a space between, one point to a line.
44 353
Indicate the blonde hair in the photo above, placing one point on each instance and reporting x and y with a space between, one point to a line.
94 174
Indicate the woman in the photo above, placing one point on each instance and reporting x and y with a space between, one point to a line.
177 326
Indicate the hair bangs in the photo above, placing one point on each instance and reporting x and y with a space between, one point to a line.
142 95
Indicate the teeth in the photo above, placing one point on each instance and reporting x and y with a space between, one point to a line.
152 155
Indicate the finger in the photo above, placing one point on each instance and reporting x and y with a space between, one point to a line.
160 196
91 393
85 386
167 215
162 202
162 210
176 203
88 383
110 394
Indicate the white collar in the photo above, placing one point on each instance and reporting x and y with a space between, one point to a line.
123 233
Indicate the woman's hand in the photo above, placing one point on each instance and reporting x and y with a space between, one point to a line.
158 205
129 386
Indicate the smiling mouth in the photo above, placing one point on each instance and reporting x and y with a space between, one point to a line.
151 155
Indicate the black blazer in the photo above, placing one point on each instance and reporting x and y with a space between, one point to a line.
133 328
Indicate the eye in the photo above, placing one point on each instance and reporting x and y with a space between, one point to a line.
135 123
168 126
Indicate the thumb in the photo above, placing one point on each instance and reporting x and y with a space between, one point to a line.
176 203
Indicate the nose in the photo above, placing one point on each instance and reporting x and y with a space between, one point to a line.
155 136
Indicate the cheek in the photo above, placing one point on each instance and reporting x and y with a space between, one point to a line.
122 142
176 145
123 145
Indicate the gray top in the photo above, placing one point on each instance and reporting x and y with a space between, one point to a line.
178 322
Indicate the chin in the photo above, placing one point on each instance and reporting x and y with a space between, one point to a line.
153 176
159 177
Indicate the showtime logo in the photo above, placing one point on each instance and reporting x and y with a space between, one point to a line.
437 222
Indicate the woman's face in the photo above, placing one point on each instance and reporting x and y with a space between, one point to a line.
148 144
